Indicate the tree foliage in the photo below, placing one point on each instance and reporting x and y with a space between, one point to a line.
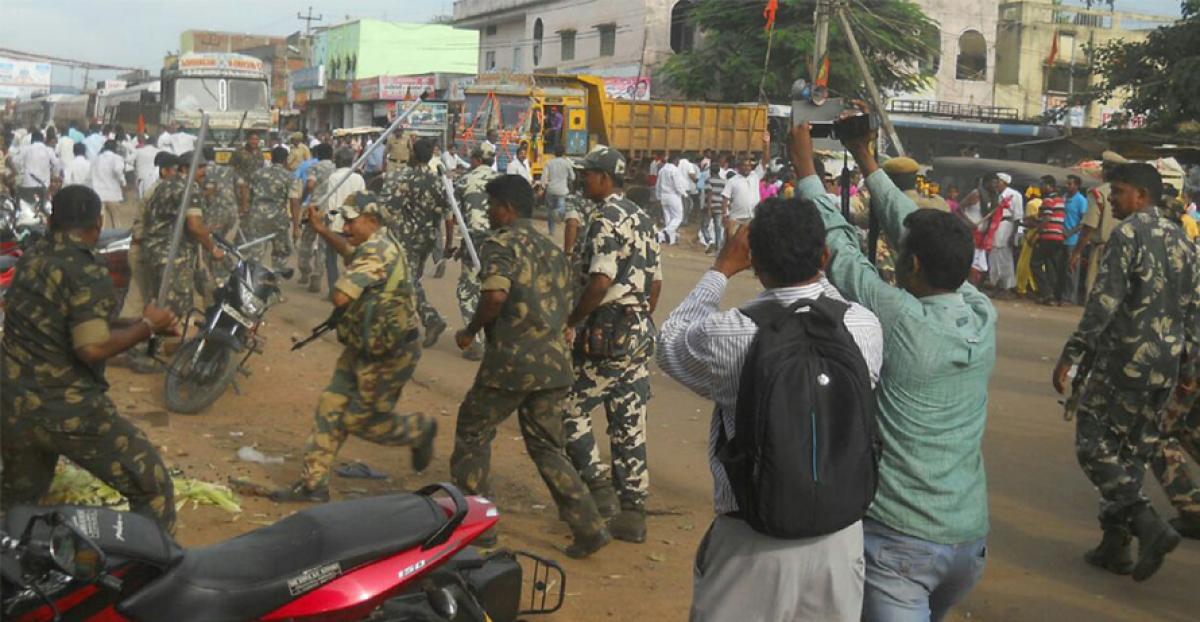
1160 76
901 45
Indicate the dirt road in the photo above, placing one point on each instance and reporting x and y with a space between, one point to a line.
1042 508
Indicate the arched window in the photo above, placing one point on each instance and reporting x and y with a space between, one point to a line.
683 30
537 42
972 56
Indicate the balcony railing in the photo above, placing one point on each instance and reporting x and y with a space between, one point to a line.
952 110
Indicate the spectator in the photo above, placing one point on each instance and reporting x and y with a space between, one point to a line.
716 186
95 143
108 180
766 187
952 198
1050 255
925 533
671 189
1076 208
739 569
557 175
741 193
38 165
79 171
520 164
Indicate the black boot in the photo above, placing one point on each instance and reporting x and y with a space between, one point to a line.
1155 540
630 524
606 499
1187 525
583 546
1113 554
422 450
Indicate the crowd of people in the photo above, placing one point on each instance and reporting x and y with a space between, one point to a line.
561 330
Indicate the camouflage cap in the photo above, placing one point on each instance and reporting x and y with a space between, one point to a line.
361 203
604 159
487 150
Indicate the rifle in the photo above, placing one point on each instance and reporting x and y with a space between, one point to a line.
329 324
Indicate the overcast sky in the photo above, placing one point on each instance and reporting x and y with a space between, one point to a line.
139 32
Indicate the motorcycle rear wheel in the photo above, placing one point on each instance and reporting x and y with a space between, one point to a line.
199 373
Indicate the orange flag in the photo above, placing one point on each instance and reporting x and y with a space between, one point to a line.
769 13
1053 49
141 126
822 78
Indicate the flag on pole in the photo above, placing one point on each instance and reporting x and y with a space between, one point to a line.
769 13
822 78
1053 49
141 126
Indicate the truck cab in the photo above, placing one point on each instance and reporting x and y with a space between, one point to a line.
231 88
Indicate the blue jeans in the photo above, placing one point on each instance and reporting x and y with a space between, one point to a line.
914 580
556 209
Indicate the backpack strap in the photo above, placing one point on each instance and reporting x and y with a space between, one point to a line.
765 311
395 275
832 310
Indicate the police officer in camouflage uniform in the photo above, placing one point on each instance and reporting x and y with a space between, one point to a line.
1181 438
362 392
269 209
527 364
159 226
620 277
57 337
311 250
416 197
245 162
473 202
1139 321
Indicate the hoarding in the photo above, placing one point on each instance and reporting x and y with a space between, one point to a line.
23 79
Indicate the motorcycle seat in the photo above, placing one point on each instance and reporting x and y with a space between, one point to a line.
258 572
123 536
111 235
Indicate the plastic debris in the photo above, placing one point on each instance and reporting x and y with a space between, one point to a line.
250 454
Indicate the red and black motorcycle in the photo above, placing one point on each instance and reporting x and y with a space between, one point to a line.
387 558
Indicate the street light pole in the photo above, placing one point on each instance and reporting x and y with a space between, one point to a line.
876 99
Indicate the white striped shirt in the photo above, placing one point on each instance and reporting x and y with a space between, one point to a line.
704 348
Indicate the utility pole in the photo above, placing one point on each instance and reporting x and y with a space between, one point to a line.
876 100
821 41
308 20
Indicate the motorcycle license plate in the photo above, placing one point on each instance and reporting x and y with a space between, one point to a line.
237 315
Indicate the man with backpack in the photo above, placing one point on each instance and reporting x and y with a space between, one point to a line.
798 362
377 327
925 532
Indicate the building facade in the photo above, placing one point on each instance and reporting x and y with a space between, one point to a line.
966 61
1042 58
360 69
619 40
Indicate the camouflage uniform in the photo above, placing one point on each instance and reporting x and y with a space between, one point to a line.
416 197
581 211
473 202
526 368
160 215
311 251
53 404
221 184
360 396
269 213
1181 438
620 243
1135 329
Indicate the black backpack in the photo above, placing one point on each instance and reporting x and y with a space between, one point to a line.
804 458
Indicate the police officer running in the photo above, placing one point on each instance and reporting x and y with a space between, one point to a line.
470 189
1138 323
268 211
57 338
620 278
364 388
526 366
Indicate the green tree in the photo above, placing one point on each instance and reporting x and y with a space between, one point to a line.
1160 76
900 42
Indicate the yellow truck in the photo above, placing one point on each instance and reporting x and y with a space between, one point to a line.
573 111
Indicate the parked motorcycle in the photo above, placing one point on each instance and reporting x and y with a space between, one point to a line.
390 558
206 363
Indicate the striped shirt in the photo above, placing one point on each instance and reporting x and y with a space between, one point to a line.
1052 216
704 348
716 185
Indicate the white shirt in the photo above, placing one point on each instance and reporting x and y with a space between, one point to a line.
352 185
66 149
743 194
164 142
38 165
143 167
704 348
94 143
182 142
313 142
691 172
108 177
452 162
79 171
517 167
671 182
